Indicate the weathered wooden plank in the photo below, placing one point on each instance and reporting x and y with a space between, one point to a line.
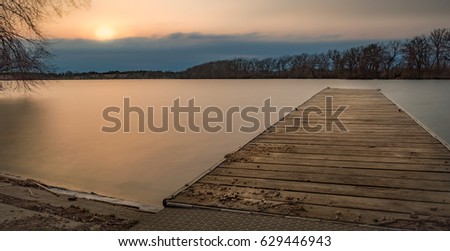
385 124
346 121
365 139
310 187
433 153
351 128
336 179
410 175
342 163
340 157
411 220
437 150
302 130
214 192
348 143
328 138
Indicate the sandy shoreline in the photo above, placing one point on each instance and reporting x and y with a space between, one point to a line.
28 205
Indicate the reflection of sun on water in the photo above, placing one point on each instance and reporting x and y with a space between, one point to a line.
105 33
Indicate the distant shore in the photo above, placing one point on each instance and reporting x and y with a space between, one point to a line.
131 75
424 56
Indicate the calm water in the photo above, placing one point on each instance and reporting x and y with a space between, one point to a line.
55 136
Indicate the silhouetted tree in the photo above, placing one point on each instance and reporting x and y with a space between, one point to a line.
283 65
371 61
299 64
336 62
447 48
352 62
392 59
23 48
417 52
438 40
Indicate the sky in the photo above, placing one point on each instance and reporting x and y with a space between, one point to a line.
176 34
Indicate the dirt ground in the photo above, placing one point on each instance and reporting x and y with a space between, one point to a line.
24 205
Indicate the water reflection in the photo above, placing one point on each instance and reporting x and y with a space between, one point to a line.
55 136
17 115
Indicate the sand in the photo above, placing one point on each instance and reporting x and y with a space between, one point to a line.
25 205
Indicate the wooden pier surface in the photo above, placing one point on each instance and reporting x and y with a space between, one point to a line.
385 170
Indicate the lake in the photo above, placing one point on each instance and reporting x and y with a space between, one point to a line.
55 135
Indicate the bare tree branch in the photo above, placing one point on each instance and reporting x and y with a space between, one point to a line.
24 50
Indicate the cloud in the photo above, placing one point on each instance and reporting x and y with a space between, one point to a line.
197 35
179 51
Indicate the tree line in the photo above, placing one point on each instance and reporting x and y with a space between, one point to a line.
422 57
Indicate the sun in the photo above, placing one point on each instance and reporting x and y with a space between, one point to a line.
105 33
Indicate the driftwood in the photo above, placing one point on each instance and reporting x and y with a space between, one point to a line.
384 223
45 188
32 194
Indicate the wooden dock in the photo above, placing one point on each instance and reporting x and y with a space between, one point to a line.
386 170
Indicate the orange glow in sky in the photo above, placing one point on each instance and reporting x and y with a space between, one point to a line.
345 19
105 33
